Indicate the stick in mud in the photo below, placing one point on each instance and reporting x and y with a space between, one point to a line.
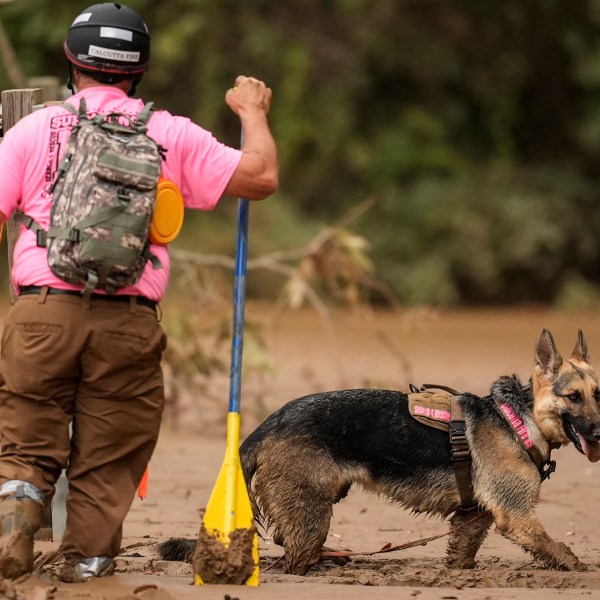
216 563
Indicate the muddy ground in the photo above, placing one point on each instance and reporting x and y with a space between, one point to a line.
464 350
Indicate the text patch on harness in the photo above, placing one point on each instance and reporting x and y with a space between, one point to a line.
431 408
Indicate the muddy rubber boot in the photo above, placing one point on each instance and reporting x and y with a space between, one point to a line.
83 569
20 518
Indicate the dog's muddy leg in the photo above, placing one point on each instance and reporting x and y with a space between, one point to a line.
464 543
304 534
529 533
296 486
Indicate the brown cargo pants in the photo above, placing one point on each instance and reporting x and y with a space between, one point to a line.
95 363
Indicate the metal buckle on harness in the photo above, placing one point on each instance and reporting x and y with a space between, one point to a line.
458 440
548 467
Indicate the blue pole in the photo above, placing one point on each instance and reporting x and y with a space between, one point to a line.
239 295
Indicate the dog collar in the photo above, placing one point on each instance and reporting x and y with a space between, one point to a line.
545 467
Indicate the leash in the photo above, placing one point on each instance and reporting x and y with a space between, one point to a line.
389 548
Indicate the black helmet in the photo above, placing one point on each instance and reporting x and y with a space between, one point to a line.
109 38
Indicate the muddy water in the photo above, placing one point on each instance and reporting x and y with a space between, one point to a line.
465 349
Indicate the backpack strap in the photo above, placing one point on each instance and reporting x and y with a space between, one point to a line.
71 108
82 114
143 117
145 114
40 234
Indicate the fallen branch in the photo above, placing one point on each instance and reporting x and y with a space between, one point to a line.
279 262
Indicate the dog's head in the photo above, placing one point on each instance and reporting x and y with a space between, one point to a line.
566 396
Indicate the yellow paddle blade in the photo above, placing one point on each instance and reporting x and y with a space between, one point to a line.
229 509
229 506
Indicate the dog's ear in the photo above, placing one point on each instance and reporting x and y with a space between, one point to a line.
547 358
580 352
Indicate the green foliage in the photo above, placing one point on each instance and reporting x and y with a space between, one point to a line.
476 125
498 235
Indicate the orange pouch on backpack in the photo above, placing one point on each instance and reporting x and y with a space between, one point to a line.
167 219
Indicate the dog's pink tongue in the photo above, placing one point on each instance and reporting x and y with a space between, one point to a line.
591 449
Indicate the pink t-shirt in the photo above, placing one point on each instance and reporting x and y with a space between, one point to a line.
31 152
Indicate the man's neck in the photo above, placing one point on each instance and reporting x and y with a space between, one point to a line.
83 83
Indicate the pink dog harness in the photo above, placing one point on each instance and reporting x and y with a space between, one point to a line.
441 410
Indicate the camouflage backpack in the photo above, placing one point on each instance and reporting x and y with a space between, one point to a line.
103 201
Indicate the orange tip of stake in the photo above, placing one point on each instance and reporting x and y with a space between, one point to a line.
167 219
143 487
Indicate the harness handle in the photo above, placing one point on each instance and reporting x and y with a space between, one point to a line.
445 388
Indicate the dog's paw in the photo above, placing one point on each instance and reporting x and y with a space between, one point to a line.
568 561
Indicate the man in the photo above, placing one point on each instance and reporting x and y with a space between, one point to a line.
93 363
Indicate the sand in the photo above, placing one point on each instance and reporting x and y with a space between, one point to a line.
464 350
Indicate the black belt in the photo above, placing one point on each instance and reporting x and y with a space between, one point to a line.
38 289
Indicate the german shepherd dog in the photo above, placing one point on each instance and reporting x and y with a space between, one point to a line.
305 457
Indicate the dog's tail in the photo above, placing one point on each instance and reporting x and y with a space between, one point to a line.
180 549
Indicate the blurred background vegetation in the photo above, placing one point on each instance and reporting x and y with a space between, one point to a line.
473 126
